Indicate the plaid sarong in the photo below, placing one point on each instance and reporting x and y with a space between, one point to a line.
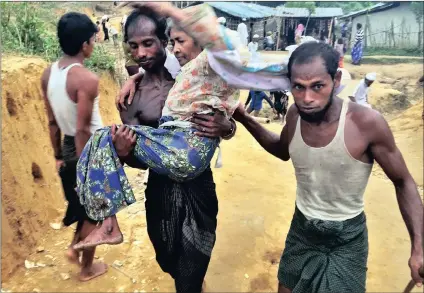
181 222
325 256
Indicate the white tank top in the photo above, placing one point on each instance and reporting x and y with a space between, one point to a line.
330 182
64 109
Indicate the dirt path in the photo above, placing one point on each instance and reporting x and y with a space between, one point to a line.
256 193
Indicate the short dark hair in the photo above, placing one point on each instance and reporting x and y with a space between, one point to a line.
73 30
359 25
307 52
159 21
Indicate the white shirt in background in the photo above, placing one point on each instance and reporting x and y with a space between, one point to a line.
242 30
361 94
253 47
171 64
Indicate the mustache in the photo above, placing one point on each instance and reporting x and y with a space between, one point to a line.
144 59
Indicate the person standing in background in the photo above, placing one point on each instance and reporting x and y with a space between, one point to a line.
269 41
255 99
242 30
339 46
105 25
281 103
298 33
253 45
357 49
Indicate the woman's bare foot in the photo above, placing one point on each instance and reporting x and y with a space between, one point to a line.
95 270
73 256
107 233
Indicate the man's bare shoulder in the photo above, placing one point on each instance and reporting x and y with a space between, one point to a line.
83 74
45 77
368 121
292 115
84 80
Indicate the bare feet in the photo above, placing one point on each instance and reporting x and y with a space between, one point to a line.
107 233
73 256
95 270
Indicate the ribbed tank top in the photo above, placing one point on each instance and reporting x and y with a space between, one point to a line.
330 182
64 109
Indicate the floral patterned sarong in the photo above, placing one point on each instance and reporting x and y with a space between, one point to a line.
102 184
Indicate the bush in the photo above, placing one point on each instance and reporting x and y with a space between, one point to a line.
100 60
25 30
372 51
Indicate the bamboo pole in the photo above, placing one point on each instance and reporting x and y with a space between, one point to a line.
278 33
330 30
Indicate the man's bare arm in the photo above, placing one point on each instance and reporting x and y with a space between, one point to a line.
54 130
86 95
388 156
273 143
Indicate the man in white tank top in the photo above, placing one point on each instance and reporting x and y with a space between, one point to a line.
327 246
71 96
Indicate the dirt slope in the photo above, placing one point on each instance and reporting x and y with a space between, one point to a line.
31 192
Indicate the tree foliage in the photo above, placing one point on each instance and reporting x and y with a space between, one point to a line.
418 9
347 7
28 28
308 5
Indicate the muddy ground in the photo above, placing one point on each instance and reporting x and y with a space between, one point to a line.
256 199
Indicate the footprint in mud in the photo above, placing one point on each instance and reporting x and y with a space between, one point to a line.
261 283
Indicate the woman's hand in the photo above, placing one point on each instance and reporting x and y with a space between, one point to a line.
128 89
212 126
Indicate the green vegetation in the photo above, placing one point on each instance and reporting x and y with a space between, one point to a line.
347 7
28 28
308 5
378 60
418 9
373 51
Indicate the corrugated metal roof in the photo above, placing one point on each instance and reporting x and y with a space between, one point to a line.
251 10
369 9
303 12
240 9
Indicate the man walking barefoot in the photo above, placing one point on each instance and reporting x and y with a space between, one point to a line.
71 96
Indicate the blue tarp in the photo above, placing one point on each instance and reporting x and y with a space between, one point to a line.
244 10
